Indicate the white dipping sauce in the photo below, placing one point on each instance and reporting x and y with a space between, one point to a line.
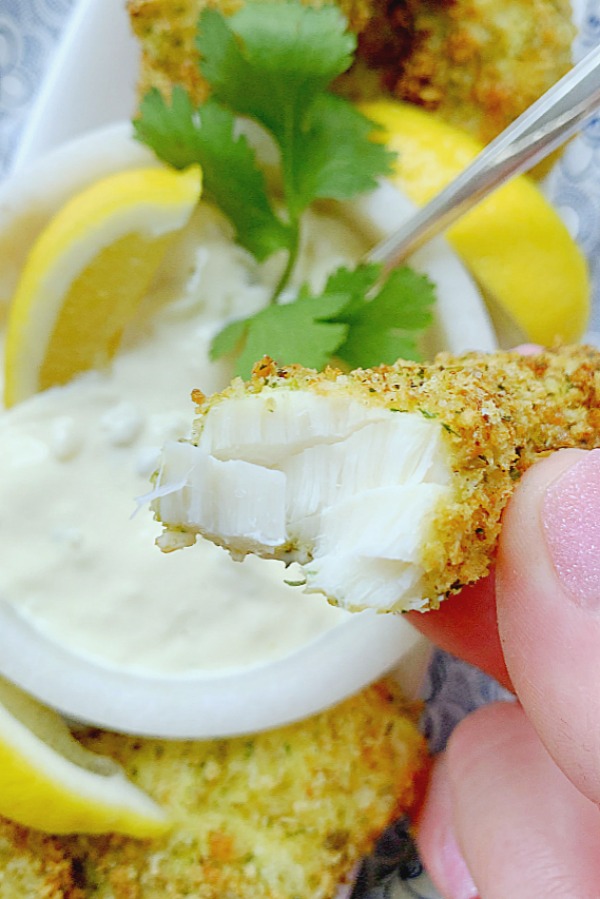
75 563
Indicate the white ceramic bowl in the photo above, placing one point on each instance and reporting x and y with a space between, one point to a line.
203 704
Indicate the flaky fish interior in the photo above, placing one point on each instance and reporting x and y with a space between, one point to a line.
385 486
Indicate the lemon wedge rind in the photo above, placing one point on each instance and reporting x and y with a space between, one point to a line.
32 195
514 242
138 211
50 782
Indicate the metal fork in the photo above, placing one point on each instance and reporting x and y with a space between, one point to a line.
543 127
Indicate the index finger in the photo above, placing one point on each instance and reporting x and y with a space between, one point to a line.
466 625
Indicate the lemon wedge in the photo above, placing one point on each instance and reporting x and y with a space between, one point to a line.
88 271
513 242
50 782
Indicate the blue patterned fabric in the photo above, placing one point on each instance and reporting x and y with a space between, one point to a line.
574 187
29 33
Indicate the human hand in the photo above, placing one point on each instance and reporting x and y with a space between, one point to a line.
512 811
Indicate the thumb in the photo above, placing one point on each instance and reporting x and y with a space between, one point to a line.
548 602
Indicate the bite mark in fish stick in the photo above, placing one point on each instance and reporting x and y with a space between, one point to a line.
386 485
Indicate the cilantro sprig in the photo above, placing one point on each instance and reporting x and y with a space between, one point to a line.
182 135
351 320
273 63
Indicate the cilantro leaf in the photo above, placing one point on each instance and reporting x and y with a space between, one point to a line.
182 135
355 283
273 63
335 157
294 332
270 61
350 319
275 68
228 339
289 333
403 301
387 326
170 131
368 346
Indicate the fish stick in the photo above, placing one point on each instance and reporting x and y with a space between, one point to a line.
387 485
284 814
476 64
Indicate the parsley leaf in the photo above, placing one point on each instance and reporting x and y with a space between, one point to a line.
182 135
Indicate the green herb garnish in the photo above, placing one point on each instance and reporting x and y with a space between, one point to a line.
340 322
273 63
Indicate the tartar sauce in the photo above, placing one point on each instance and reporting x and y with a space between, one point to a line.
76 562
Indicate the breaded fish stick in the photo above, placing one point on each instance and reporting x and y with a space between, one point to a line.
386 485
284 814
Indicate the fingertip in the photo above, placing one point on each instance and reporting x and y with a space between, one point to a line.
478 737
437 841
529 349
571 526
548 606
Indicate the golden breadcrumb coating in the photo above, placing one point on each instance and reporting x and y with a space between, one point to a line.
277 815
479 63
34 865
497 414
476 63
283 814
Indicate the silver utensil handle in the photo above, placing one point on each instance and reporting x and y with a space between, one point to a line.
543 127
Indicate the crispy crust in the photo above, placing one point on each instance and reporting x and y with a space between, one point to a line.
476 63
479 63
499 414
272 816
